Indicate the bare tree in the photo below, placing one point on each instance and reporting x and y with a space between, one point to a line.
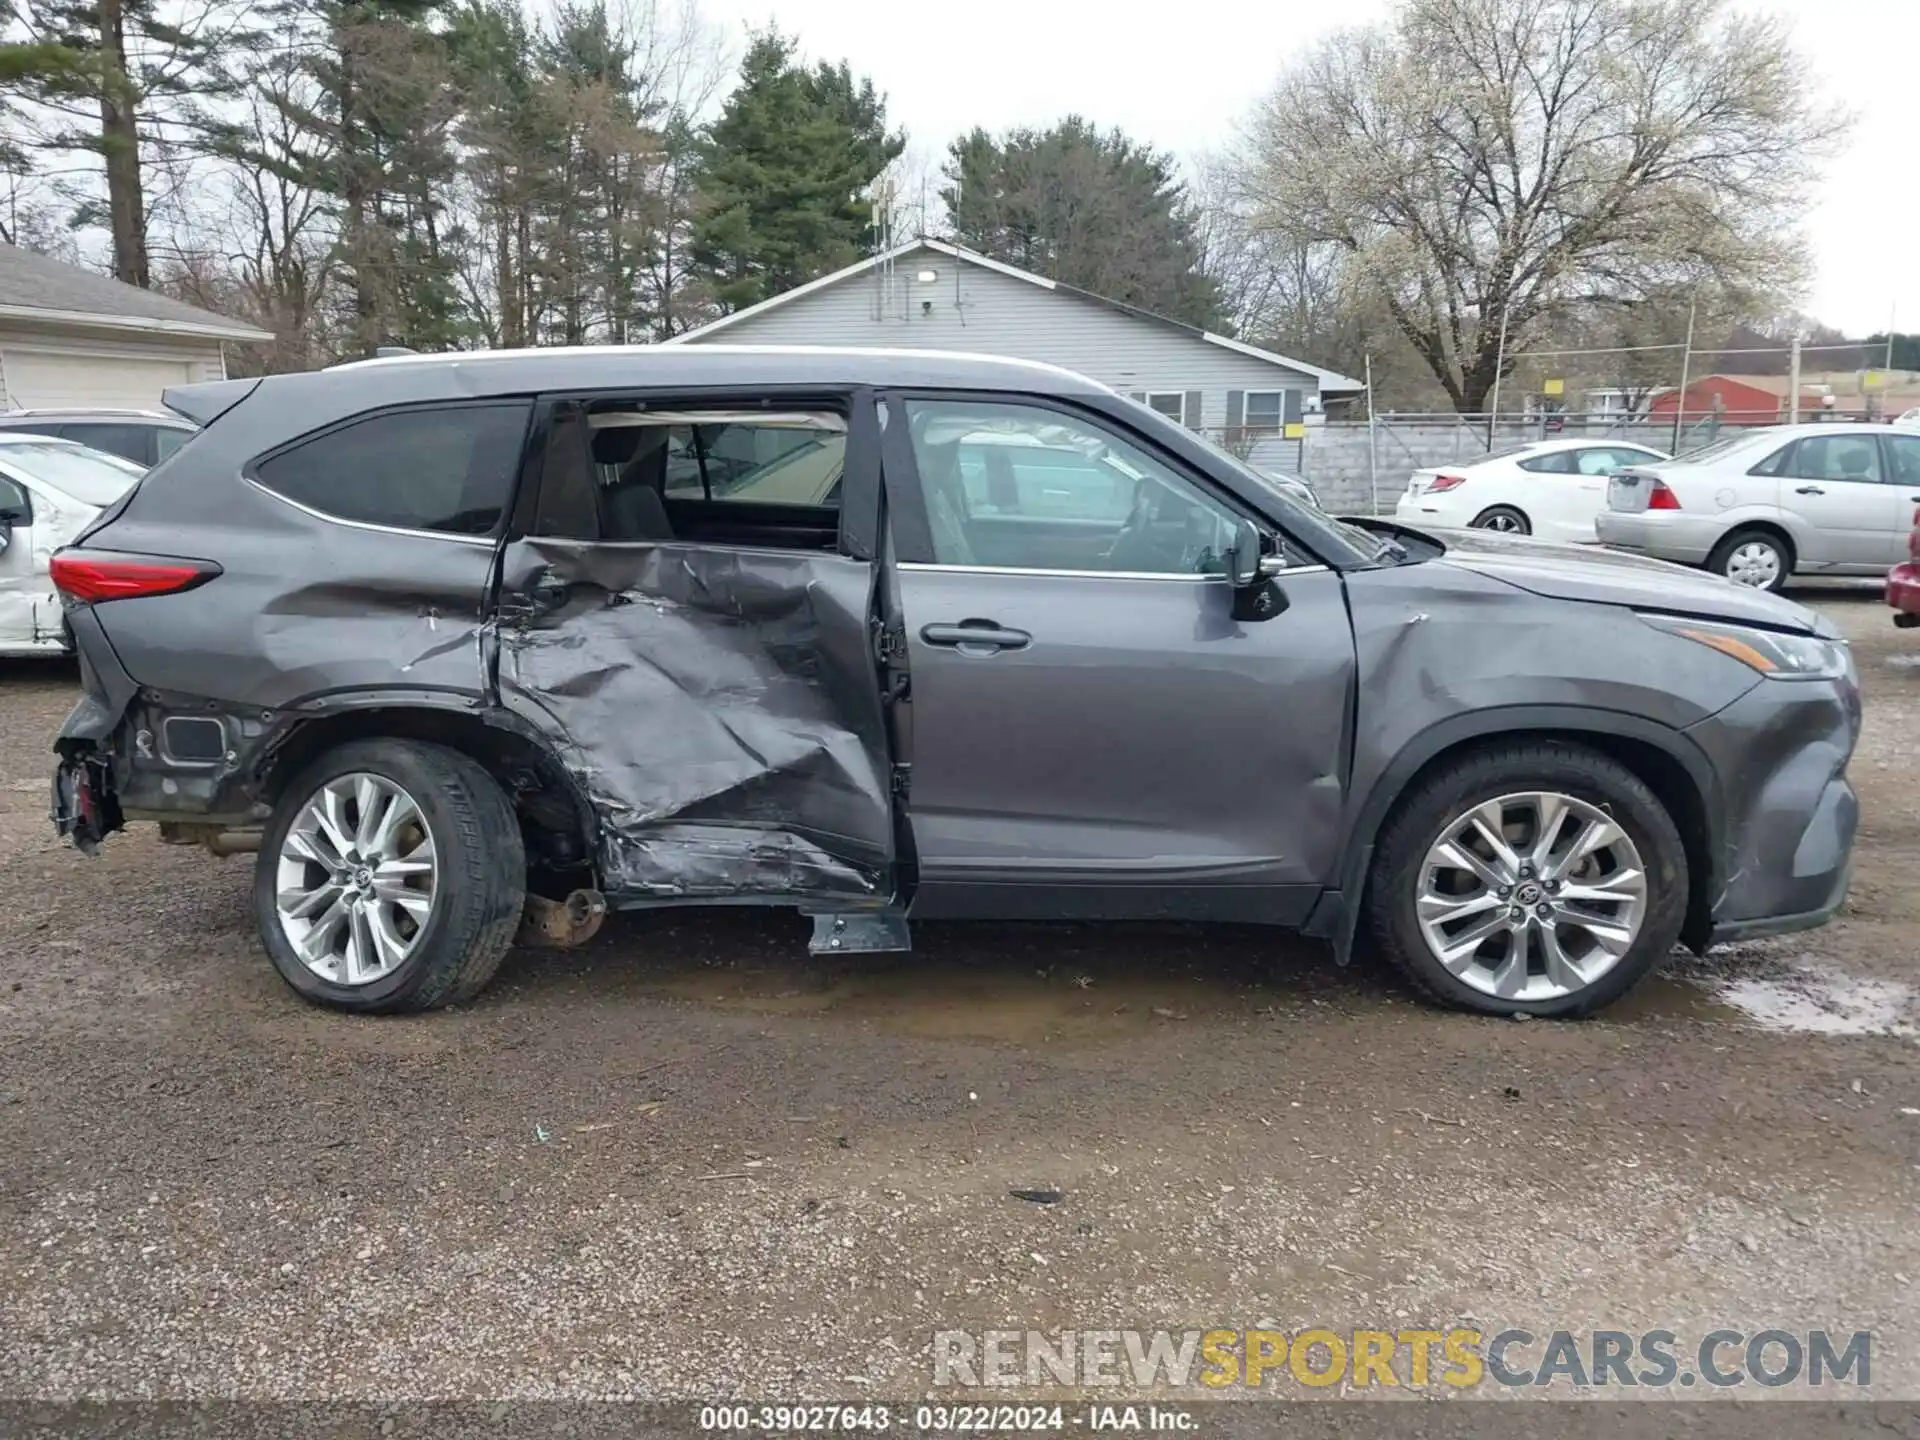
1490 164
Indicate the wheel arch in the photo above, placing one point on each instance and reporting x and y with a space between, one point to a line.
556 818
1770 525
1486 510
1665 759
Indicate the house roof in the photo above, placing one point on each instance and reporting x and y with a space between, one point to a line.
1329 380
36 288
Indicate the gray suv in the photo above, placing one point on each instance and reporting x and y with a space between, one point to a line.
476 644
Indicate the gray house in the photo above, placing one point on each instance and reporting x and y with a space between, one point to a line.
931 295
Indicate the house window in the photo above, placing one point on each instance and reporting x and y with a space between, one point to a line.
1266 411
1170 403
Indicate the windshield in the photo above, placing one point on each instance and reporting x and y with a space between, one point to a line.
90 476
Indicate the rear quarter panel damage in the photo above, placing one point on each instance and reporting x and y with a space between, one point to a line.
719 708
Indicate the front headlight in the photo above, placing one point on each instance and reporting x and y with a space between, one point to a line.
1776 655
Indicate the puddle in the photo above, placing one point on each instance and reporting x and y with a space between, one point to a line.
1825 1005
1807 1000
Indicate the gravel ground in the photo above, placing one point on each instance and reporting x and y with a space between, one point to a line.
688 1161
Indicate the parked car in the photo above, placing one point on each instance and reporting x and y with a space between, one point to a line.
1903 581
1549 488
142 436
50 490
1761 506
432 635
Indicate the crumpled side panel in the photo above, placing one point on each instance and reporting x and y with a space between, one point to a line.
719 708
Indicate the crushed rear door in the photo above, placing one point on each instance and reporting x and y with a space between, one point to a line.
718 703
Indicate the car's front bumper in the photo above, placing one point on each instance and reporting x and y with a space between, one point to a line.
1787 813
1663 534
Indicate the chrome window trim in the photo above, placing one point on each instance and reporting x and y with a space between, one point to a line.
487 540
1098 574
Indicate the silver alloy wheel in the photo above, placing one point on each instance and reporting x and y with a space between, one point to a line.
1755 563
356 879
1504 523
1532 896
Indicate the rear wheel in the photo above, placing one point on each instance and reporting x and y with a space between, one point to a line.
391 878
1503 518
1758 559
1539 877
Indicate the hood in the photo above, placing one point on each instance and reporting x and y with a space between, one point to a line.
1609 577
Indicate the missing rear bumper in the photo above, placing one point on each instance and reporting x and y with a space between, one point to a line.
85 808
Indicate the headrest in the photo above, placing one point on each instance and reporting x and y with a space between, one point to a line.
617 444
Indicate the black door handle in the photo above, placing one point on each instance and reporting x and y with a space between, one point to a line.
1808 490
972 634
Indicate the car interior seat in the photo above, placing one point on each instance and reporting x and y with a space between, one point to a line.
634 504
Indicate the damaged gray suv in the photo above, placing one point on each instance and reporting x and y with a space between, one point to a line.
473 645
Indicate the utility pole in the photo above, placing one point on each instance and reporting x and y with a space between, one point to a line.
1499 364
1686 367
1793 382
1373 464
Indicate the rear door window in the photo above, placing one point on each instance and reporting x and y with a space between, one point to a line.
1836 457
447 469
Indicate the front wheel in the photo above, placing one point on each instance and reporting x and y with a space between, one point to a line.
1539 877
391 877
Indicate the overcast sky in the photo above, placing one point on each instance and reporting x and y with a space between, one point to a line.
1182 76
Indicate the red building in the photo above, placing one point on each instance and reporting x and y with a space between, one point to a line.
1734 400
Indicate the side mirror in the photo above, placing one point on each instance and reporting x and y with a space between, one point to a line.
1243 556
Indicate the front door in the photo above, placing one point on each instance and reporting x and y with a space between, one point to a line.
1834 484
1093 732
680 614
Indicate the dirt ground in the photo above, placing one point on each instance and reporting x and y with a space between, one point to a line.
689 1161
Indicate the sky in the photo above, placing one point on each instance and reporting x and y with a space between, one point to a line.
1183 76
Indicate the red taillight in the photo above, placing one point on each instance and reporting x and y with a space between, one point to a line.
1662 498
1446 482
91 576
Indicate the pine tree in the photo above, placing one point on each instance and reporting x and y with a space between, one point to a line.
113 76
1092 210
781 174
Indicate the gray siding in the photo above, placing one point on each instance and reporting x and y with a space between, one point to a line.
999 315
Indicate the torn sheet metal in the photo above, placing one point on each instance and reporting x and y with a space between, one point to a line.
719 708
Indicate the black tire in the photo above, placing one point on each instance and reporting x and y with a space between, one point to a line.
480 888
1722 555
1516 523
1419 819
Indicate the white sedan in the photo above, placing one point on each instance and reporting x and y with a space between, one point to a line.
50 490
1549 488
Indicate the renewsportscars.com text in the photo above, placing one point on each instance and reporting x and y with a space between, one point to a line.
1458 1357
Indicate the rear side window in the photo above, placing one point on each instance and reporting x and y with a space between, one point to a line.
444 468
1554 462
131 442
